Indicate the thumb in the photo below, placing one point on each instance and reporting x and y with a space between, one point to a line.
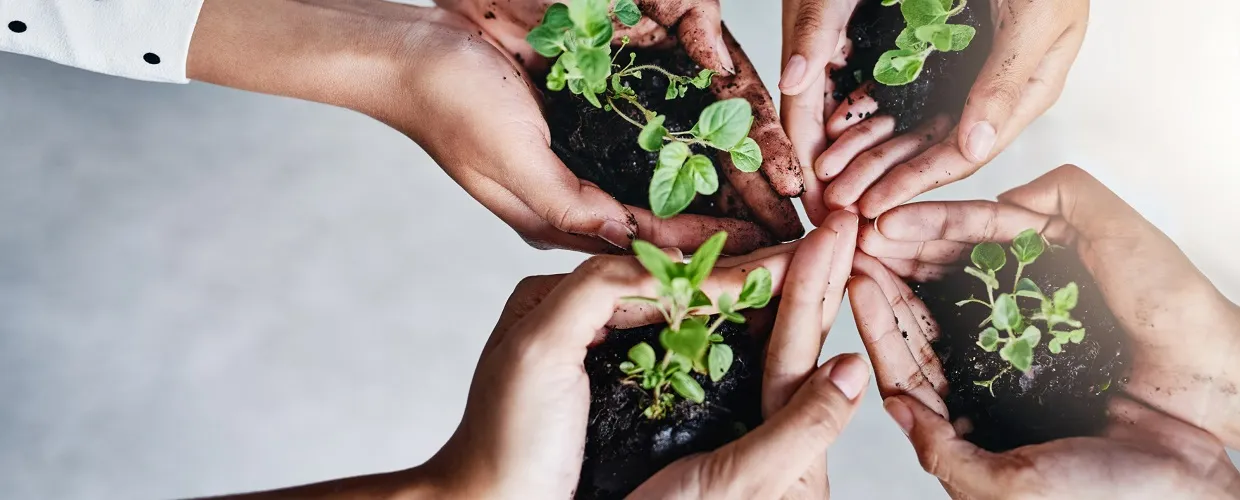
572 205
817 34
959 464
699 27
767 461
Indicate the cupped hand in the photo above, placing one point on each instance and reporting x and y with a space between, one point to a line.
1142 453
1183 333
1035 44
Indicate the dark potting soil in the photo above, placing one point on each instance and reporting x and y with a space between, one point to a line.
1063 395
601 147
945 80
624 448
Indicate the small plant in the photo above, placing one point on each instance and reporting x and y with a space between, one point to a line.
578 36
689 344
1012 331
926 30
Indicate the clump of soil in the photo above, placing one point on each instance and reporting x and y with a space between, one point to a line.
624 448
601 147
1063 395
945 80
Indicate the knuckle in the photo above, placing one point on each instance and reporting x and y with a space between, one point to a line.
1002 92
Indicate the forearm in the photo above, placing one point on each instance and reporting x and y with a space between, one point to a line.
412 484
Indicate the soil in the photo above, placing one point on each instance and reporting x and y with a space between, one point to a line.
1063 395
601 147
945 80
624 448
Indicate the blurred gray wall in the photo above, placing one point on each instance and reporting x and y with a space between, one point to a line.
205 291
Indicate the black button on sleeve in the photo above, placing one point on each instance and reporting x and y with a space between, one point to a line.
17 27
151 58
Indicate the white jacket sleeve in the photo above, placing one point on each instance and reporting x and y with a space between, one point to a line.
140 39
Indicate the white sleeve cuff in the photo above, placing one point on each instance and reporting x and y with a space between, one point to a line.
140 39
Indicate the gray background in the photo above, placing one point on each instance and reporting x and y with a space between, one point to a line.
205 291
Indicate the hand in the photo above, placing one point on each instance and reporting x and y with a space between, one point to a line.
1143 453
1035 44
1183 333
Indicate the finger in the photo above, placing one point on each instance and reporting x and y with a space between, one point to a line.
898 372
1092 209
699 29
942 252
871 165
689 231
856 108
818 35
960 221
1020 45
957 463
865 135
779 159
918 271
793 349
768 460
801 116
760 200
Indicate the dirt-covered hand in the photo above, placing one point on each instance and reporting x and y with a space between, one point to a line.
1143 453
1035 44
1183 333
805 406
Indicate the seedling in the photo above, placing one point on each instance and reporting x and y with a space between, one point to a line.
1012 330
926 30
578 37
689 344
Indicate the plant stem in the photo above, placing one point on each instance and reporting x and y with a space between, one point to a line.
669 74
621 113
715 326
990 294
1020 268
958 9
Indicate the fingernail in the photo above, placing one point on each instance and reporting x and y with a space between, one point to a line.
794 72
899 412
616 234
725 57
981 140
850 375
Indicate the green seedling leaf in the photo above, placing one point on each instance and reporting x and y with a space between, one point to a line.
679 364
700 299
673 90
650 381
690 341
1027 246
705 179
1006 314
898 67
1027 288
756 293
590 17
727 309
592 97
725 123
715 338
889 3
988 340
938 35
548 38
702 80
595 65
747 156
918 13
651 136
988 384
988 257
628 368
1055 346
1032 335
643 356
962 36
656 262
627 12
1065 298
703 260
987 277
908 41
719 361
681 290
1019 353
556 79
686 387
672 188
1076 336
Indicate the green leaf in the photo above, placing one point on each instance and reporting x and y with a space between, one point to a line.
590 16
1019 353
1065 298
1006 314
546 41
628 368
672 90
918 13
679 364
656 262
595 65
938 35
705 179
962 36
727 309
556 78
724 124
747 156
988 340
1032 335
592 96
715 338
688 388
557 17
672 188
690 341
719 361
756 293
700 299
627 12
1055 346
1076 336
1027 246
987 278
1027 288
988 256
908 41
642 355
703 260
889 3
702 80
651 136
898 67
